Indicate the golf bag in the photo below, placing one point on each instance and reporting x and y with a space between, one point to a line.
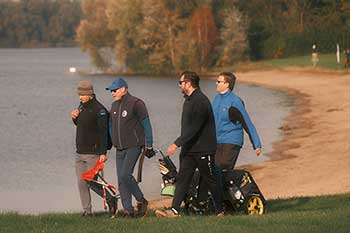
99 185
240 191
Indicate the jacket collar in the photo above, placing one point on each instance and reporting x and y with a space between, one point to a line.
89 103
125 97
194 93
227 93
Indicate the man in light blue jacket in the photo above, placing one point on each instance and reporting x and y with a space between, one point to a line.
231 118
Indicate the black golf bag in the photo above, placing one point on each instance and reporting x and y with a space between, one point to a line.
240 192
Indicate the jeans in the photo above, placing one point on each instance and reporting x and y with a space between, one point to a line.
126 160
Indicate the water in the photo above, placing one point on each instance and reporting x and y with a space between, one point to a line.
37 134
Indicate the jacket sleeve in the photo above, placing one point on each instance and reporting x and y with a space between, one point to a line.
75 121
239 114
146 124
141 112
102 124
194 122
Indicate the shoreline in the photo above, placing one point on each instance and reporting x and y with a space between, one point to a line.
313 157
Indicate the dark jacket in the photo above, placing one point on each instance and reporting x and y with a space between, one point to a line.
92 128
197 125
127 115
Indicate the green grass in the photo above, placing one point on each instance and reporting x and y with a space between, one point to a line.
327 61
310 214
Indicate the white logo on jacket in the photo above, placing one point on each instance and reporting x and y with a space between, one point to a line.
124 113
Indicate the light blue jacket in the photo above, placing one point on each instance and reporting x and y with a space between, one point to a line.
230 131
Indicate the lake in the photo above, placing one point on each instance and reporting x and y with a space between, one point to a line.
37 138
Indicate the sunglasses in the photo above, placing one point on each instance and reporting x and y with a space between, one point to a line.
218 81
114 90
180 82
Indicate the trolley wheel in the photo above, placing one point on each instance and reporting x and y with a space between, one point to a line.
255 205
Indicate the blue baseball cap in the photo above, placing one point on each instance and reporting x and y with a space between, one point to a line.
116 84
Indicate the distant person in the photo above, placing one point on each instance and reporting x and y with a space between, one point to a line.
91 120
198 145
130 131
347 58
314 56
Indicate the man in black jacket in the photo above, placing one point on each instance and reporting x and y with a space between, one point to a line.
198 145
91 119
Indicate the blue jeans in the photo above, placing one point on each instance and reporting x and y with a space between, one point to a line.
126 161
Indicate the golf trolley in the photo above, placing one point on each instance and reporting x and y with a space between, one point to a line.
240 192
99 185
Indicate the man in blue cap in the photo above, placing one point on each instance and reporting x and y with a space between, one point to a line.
130 130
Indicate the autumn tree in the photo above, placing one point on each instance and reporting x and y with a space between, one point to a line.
161 34
94 35
203 34
123 18
233 37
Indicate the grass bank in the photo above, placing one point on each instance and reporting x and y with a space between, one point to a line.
327 63
308 214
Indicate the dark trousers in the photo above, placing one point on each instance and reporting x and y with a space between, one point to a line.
206 167
225 159
226 156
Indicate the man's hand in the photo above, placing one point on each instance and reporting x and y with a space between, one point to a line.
258 151
103 158
149 152
171 149
75 113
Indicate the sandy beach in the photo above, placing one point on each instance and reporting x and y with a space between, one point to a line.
313 157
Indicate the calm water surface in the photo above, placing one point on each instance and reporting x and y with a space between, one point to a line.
37 134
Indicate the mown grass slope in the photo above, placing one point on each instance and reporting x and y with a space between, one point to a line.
308 214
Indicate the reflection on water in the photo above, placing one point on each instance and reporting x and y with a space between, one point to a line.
37 135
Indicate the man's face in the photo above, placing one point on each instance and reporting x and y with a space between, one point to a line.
183 85
85 98
221 84
118 94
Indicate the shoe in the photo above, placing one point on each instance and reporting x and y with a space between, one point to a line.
125 214
87 214
198 206
166 213
129 215
141 208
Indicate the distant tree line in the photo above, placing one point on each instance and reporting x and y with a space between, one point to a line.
280 28
163 36
171 35
39 23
